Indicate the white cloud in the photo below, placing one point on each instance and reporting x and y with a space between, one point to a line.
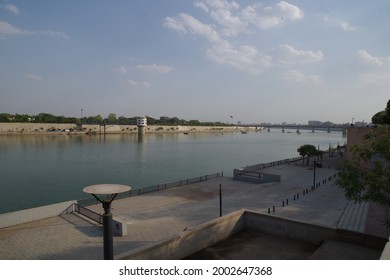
299 77
194 26
121 69
54 34
269 17
375 78
379 74
289 55
155 68
146 84
12 8
365 56
231 21
244 57
7 29
346 26
34 77
174 24
222 12
134 83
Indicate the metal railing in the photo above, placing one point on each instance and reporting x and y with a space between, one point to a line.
84 211
154 188
260 166
88 213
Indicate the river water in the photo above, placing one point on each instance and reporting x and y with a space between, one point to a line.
37 170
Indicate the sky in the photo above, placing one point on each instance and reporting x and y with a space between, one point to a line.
255 60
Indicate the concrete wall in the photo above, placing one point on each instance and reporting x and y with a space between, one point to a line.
208 234
190 241
42 128
305 232
33 127
33 214
291 229
355 136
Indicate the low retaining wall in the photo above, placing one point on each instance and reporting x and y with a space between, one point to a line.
306 232
33 214
33 128
255 177
252 174
208 234
62 128
190 242
287 228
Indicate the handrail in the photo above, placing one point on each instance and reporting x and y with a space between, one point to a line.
158 187
261 166
88 213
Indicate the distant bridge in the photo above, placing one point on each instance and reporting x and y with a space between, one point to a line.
341 128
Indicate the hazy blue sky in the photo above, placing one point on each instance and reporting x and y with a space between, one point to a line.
255 60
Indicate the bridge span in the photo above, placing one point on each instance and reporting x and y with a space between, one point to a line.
298 128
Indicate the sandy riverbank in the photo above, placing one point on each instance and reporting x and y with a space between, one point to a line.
70 128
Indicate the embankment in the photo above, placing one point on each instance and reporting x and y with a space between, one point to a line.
70 128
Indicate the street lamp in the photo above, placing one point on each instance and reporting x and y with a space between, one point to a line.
110 191
314 175
220 200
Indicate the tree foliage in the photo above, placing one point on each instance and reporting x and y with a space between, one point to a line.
382 117
98 119
307 150
366 176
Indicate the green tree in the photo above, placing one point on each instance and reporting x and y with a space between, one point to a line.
112 118
22 118
366 175
45 118
173 121
382 117
307 150
194 122
5 117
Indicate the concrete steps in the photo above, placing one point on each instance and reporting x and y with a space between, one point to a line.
354 217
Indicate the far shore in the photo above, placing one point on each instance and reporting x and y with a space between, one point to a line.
90 129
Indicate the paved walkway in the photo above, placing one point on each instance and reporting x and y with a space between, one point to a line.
162 214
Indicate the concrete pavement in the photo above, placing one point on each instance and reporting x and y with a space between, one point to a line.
158 215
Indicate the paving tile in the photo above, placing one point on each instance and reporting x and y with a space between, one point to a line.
158 215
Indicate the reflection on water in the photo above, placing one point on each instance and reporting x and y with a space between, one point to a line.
39 170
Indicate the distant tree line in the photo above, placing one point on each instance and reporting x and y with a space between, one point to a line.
98 119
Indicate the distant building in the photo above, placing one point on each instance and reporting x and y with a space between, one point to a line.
361 124
142 121
314 123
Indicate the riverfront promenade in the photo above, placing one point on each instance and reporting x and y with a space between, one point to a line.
159 215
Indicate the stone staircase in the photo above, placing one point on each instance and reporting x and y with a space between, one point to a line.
354 217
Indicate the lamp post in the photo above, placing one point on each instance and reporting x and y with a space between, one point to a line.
110 191
220 200
314 175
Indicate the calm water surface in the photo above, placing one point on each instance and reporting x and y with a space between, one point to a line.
40 170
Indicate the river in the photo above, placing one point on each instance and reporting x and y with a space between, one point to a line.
37 170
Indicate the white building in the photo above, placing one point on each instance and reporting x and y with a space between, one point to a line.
142 121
